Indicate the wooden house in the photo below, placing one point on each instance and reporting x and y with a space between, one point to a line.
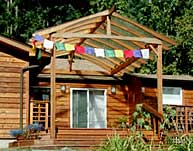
80 96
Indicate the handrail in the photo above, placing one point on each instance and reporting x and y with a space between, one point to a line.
152 111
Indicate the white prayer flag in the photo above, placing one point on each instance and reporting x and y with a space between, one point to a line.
48 44
145 53
99 52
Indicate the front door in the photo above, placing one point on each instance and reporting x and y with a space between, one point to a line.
88 108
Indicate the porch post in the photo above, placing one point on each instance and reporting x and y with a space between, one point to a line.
53 94
159 79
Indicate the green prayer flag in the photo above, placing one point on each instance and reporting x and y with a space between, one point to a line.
109 53
59 46
39 54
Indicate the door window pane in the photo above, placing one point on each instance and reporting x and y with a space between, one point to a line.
97 109
79 108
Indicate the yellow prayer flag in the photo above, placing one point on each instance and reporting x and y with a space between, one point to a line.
69 47
119 53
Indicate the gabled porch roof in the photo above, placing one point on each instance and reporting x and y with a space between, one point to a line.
108 30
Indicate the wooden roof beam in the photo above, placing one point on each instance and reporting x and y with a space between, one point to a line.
76 72
123 65
79 35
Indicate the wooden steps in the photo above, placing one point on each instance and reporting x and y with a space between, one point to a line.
86 138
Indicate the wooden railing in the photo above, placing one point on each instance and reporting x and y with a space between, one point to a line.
156 117
39 112
184 119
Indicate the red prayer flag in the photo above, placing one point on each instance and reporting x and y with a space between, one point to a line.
79 49
128 54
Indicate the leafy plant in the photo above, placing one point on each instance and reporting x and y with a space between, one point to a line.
17 132
140 118
168 123
130 143
123 122
27 131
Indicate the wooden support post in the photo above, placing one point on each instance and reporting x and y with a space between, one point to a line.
53 94
159 80
159 83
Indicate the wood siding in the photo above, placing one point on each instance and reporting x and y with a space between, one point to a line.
118 105
187 97
10 68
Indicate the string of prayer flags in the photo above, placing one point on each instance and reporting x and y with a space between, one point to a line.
109 53
90 50
119 53
145 53
99 52
79 49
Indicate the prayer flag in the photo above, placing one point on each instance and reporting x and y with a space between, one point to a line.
33 50
79 49
99 52
145 53
119 53
69 47
109 53
38 38
137 53
48 44
59 46
128 54
89 50
39 54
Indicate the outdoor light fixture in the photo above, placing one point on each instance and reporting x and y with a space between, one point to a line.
113 89
63 88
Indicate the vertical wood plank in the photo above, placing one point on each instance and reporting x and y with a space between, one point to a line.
186 119
46 118
159 79
53 94
108 26
31 112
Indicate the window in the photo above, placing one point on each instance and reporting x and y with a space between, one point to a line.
172 95
88 108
